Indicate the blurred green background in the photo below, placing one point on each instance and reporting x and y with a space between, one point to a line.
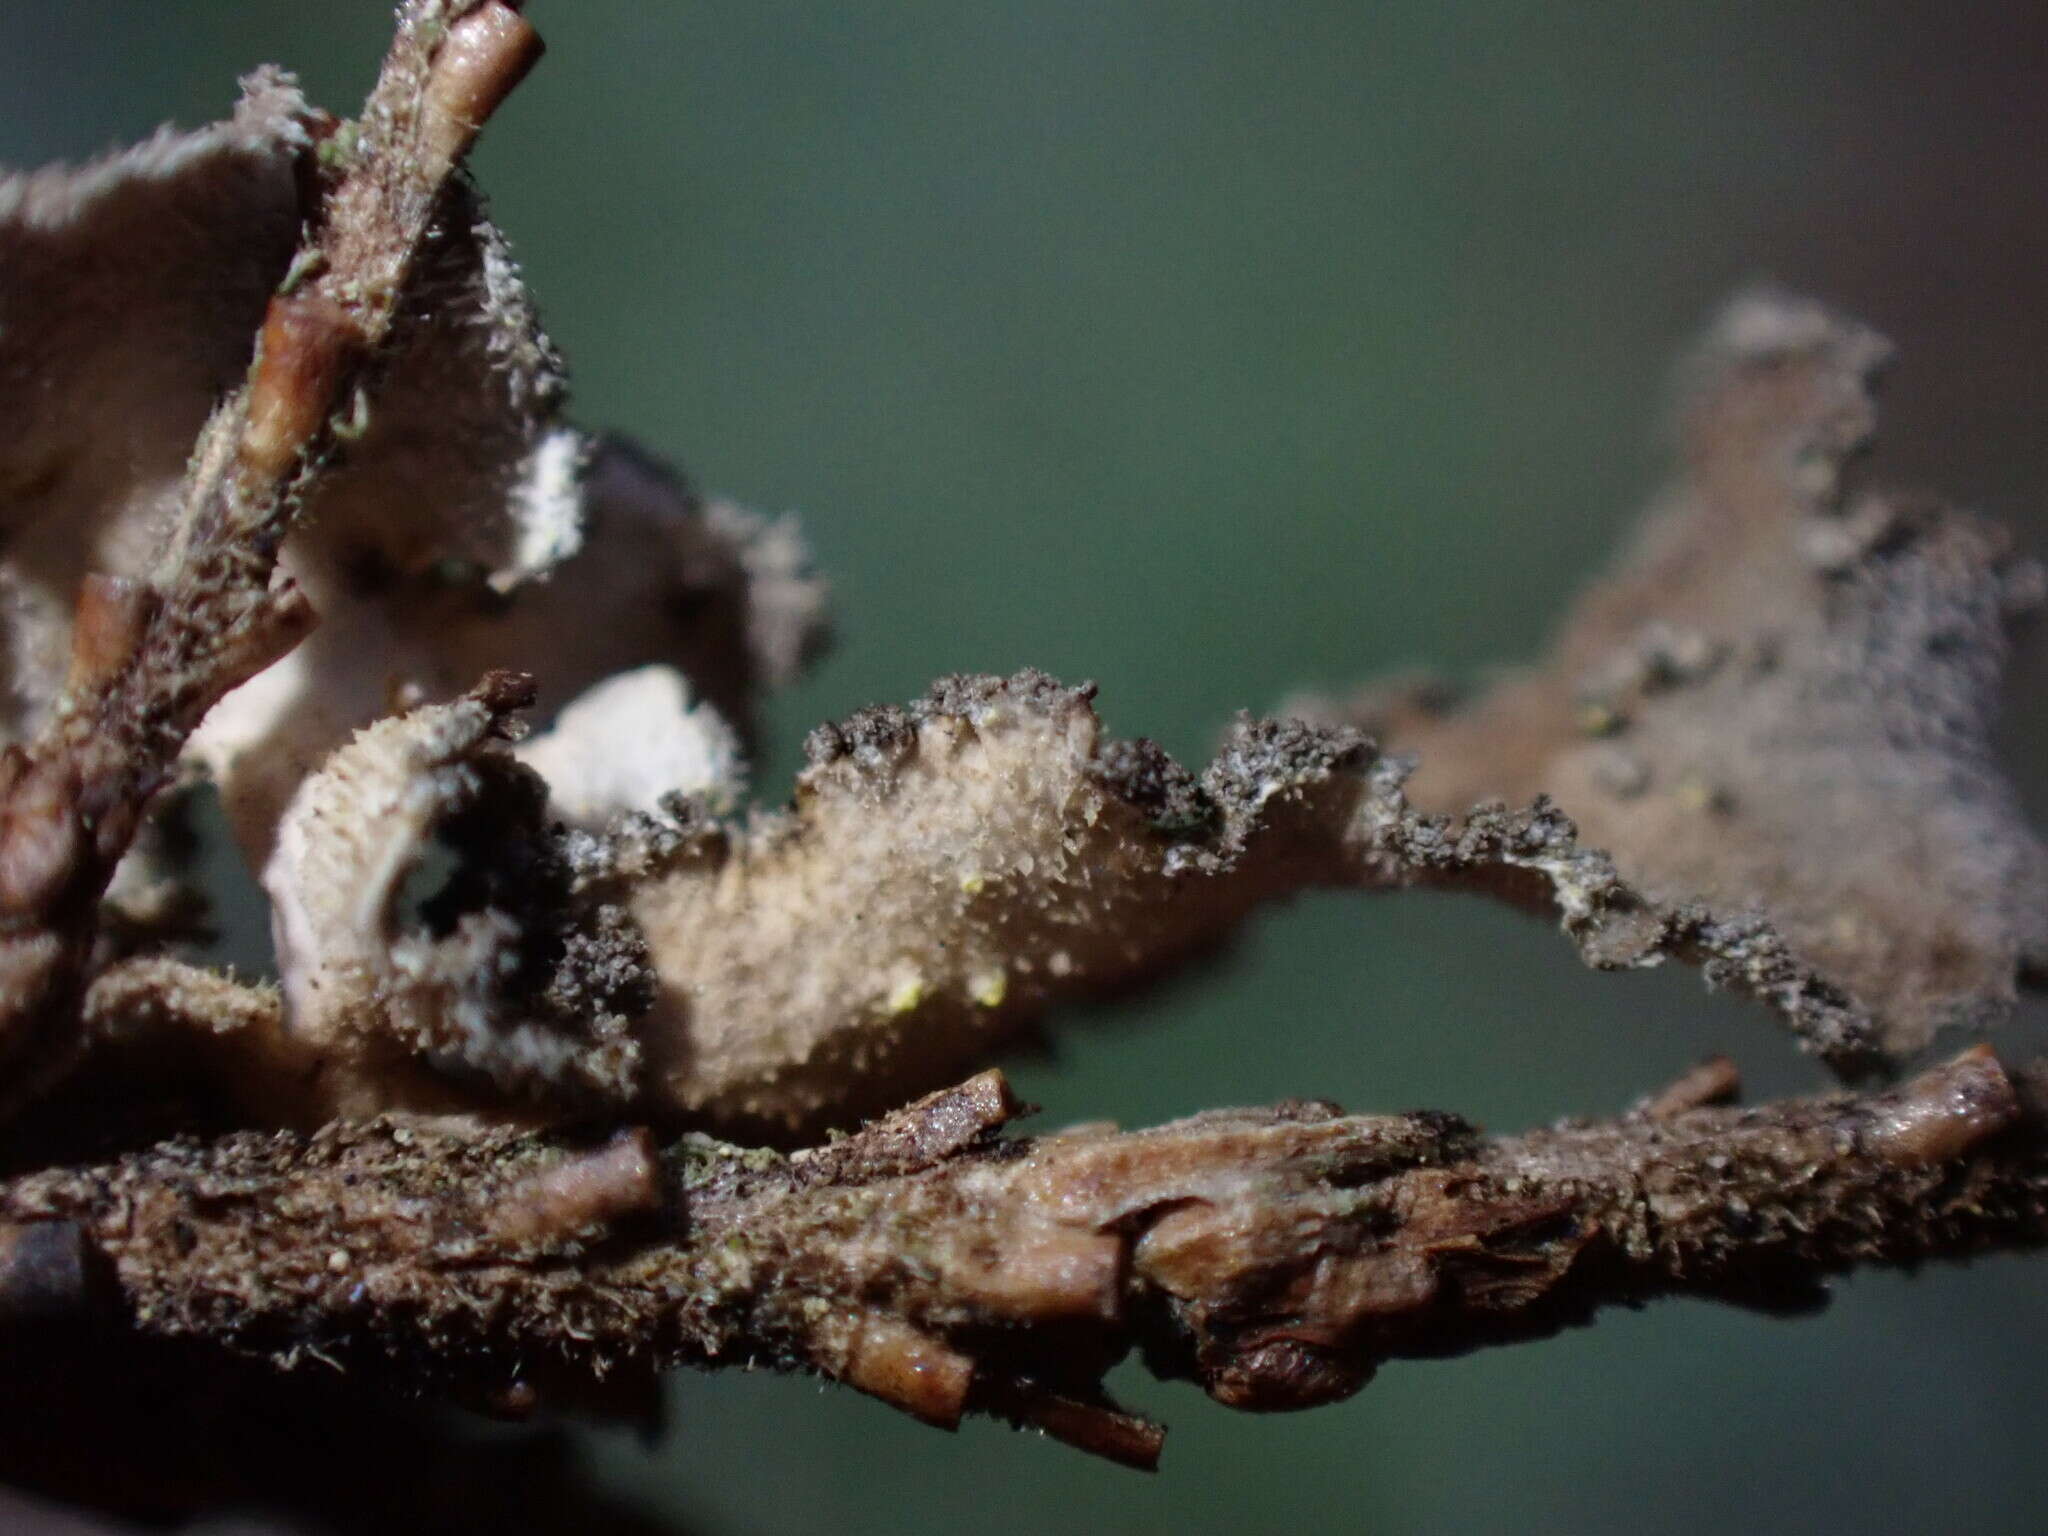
1210 350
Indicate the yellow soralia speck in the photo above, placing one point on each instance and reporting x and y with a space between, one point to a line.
990 987
908 993
973 883
1596 719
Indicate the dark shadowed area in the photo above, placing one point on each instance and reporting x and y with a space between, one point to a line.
1214 352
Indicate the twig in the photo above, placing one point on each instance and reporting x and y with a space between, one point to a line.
150 659
1276 1256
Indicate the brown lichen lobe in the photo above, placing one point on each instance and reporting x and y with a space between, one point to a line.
1781 699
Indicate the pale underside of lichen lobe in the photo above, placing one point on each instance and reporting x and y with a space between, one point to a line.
952 870
505 984
722 596
948 873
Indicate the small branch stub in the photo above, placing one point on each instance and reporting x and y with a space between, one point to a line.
484 56
49 1272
